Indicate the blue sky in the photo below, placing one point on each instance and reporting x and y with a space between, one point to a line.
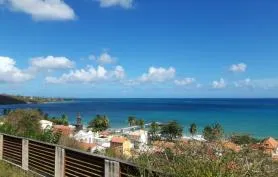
139 48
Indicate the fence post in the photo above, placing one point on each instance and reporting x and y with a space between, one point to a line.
1 146
25 154
59 162
112 169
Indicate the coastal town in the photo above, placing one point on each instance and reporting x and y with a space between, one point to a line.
130 141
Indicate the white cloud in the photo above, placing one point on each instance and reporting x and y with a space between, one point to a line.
88 75
158 74
244 83
241 67
9 73
104 58
219 84
119 72
127 4
266 83
185 81
42 9
51 62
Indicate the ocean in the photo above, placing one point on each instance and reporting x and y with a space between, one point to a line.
257 117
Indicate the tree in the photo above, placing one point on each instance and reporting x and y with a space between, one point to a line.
6 111
140 123
154 130
64 119
99 123
243 139
172 130
131 120
24 122
193 129
213 132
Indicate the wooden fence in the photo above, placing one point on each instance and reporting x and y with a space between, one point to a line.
56 161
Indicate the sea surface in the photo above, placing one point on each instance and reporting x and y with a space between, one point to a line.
257 117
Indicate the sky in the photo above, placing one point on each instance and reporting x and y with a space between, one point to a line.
139 48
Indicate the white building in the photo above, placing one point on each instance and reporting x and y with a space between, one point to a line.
45 124
139 137
85 136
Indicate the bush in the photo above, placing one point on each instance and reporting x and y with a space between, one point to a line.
207 160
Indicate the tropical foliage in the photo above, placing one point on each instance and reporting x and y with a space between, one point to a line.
171 130
193 129
243 139
99 123
213 132
25 123
206 160
154 130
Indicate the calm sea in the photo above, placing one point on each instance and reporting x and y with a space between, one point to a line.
258 117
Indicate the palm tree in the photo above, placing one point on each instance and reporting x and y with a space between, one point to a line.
154 129
193 129
131 120
141 123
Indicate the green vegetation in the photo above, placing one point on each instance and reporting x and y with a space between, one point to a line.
99 123
7 170
213 132
193 129
154 130
17 99
207 160
25 123
133 121
5 99
171 130
244 139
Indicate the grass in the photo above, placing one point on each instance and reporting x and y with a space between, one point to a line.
8 170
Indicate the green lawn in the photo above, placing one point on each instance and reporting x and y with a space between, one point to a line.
7 170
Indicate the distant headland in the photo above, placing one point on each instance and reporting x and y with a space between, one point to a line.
18 99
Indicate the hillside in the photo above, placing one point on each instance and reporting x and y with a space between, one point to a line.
5 99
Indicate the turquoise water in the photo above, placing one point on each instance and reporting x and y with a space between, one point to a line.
258 117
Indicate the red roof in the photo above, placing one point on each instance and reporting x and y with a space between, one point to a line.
65 130
118 139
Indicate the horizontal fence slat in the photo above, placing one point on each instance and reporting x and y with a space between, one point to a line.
86 163
41 169
12 160
41 155
43 161
100 169
83 170
48 167
84 175
31 148
43 146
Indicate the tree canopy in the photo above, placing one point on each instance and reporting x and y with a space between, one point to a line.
25 122
172 130
213 132
193 129
99 123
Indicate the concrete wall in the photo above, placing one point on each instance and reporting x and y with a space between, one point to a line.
1 147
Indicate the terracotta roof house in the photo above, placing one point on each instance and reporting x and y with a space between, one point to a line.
122 145
65 130
270 145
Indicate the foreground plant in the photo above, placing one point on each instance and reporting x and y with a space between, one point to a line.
206 160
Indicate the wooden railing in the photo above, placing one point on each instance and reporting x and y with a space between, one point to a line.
51 160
